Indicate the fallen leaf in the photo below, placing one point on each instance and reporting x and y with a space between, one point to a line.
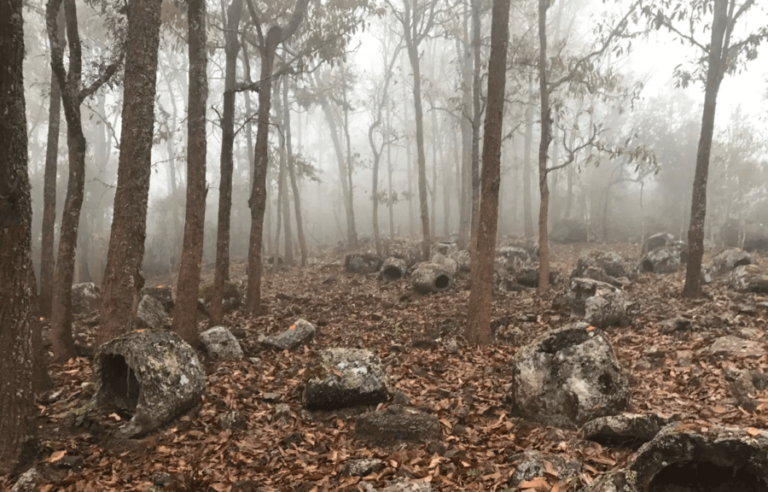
56 456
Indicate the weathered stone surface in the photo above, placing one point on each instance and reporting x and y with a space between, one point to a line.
298 334
658 241
362 467
429 278
569 231
154 375
601 304
221 344
362 263
29 481
568 377
232 420
393 269
612 265
749 278
742 388
151 314
729 259
532 464
666 259
445 249
614 481
408 487
86 297
731 347
626 429
164 294
345 377
448 264
513 256
231 297
396 424
407 251
463 259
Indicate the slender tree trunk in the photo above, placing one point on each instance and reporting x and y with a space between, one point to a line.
122 278
221 273
185 310
390 200
446 192
546 138
292 174
715 72
349 198
284 194
47 258
527 213
17 289
375 184
465 200
476 89
478 328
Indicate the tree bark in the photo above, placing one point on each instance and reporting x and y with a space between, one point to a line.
47 258
17 289
527 215
185 309
715 73
546 138
478 328
465 199
123 279
284 195
476 89
221 274
292 174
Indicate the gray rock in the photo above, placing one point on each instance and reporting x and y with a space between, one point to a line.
86 298
445 249
345 377
362 467
448 264
749 278
463 259
282 412
429 278
221 344
658 241
396 424
666 259
742 388
568 377
408 487
362 263
612 265
300 333
151 314
599 303
617 481
626 429
29 481
154 375
232 420
163 294
731 347
531 464
729 259
513 256
393 269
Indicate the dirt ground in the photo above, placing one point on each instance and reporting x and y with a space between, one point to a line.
467 391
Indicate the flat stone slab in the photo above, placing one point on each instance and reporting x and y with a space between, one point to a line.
296 335
362 467
627 429
731 346
396 424
345 377
221 344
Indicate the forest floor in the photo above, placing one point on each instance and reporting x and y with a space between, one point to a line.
467 390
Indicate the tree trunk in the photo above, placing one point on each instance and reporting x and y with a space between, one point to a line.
122 278
47 258
390 200
185 310
476 89
292 174
17 309
465 123
375 185
546 138
715 72
221 274
478 328
527 214
284 195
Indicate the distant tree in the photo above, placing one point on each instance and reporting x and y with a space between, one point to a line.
72 96
723 54
185 309
17 286
123 279
478 329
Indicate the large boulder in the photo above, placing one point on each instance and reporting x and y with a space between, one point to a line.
406 251
569 231
362 263
396 424
513 256
610 264
749 278
666 259
162 293
568 377
151 314
86 297
221 344
428 278
599 303
295 336
152 375
729 259
658 241
345 377
448 264
463 259
393 269
231 298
